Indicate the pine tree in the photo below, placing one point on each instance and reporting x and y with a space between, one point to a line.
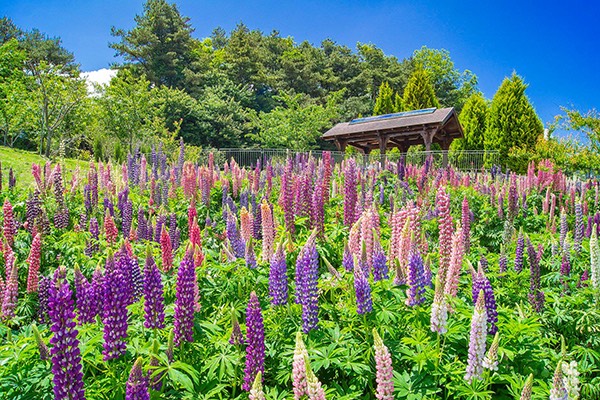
473 120
384 104
512 121
398 103
419 92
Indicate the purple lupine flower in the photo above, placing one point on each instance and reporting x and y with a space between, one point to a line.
142 225
160 222
114 318
519 252
43 298
124 262
33 208
362 289
87 199
579 227
97 285
307 277
255 335
250 255
257 219
93 245
234 236
127 218
154 307
278 280
317 211
108 205
348 258
565 266
350 194
237 337
536 296
86 298
184 300
61 218
66 358
564 228
12 179
384 370
137 384
481 284
477 341
380 267
416 279
173 231
502 261
288 197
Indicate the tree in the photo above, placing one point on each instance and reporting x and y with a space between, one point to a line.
296 125
384 104
473 120
419 92
588 123
452 87
160 46
512 121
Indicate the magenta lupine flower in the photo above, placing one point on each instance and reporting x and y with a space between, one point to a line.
66 358
166 250
115 302
481 284
255 336
317 211
268 231
11 290
184 300
477 340
278 280
287 193
307 276
383 365
536 296
362 289
9 227
34 264
445 236
416 279
519 251
137 384
154 307
299 368
350 193
466 224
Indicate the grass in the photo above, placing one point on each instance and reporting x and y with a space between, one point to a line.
20 161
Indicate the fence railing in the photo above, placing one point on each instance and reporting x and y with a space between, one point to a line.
465 160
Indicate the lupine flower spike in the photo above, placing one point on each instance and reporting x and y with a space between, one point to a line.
383 364
527 388
477 341
256 393
299 368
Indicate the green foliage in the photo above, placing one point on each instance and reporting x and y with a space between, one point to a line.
386 100
512 121
473 119
419 92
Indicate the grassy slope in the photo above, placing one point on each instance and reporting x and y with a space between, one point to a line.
20 161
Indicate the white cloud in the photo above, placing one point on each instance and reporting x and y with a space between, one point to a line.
101 76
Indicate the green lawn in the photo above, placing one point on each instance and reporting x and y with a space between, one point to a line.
20 161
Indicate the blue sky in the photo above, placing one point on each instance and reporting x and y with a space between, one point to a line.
554 45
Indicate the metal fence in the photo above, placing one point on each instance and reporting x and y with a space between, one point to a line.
466 160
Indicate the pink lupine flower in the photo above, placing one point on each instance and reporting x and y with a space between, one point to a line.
268 231
110 229
383 363
246 224
453 272
34 264
11 292
445 227
299 368
166 250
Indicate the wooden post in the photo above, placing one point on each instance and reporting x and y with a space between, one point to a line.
382 147
341 145
445 145
427 136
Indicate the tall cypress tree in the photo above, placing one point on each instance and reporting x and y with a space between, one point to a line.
419 92
384 104
473 120
512 120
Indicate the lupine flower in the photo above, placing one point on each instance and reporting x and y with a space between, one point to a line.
383 365
137 384
565 266
519 252
558 390
416 280
154 307
362 289
491 359
477 341
502 261
256 392
278 281
236 338
571 379
34 264
98 290
347 258
250 255
317 209
255 336
299 368
466 224
233 234
307 276
246 224
526 393
11 290
595 258
86 298
66 358
116 298
579 227
288 197
9 227
481 284
184 300
445 228
455 266
42 346
268 232
536 296
439 309
110 229
314 390
350 194
380 267
166 250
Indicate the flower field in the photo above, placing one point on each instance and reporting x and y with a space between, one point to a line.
299 278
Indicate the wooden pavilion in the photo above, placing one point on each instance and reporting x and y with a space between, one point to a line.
401 130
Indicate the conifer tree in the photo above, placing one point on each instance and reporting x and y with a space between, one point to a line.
473 120
384 104
419 92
